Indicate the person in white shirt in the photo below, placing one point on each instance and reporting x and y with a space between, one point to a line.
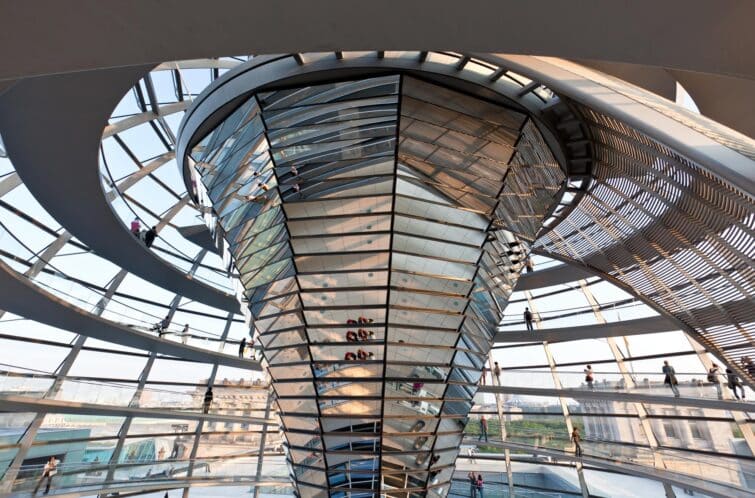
51 468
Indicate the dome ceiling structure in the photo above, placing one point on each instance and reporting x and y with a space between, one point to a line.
400 207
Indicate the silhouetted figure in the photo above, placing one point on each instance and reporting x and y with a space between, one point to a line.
497 372
242 347
149 237
207 400
732 381
528 318
670 379
163 327
185 334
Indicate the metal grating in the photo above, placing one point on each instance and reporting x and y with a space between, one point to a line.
669 231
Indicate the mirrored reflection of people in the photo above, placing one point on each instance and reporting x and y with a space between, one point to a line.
207 400
670 378
242 347
530 265
484 375
497 372
732 381
483 429
589 378
185 334
713 374
150 236
528 318
472 484
576 439
49 471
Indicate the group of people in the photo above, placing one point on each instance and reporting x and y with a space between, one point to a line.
714 377
496 372
243 345
147 236
361 354
161 328
476 485
360 335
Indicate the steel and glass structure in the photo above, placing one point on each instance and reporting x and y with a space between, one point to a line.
365 222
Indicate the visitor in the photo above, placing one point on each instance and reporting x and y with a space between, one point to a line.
242 347
471 455
749 365
364 321
136 227
575 437
732 380
149 237
483 429
185 334
294 171
713 374
349 356
162 327
351 336
497 372
589 378
472 484
366 336
361 354
207 400
480 485
484 374
49 471
530 265
670 379
528 318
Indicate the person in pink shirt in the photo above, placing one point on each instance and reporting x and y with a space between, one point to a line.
136 227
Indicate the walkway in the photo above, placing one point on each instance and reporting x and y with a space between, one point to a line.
647 325
28 404
154 485
610 395
73 194
709 488
560 274
22 297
